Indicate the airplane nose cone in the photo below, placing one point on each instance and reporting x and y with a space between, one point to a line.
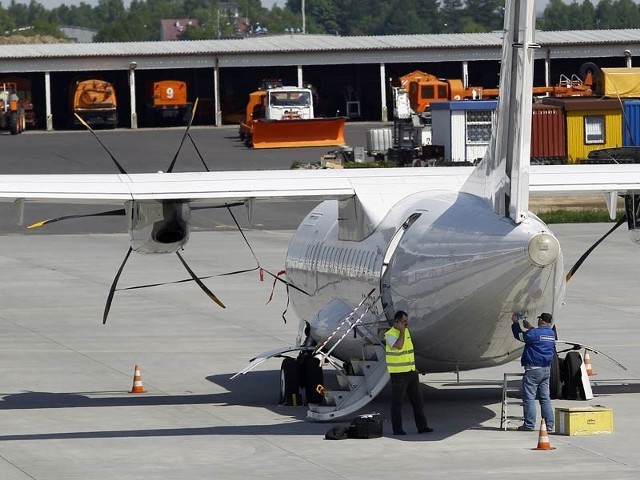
543 249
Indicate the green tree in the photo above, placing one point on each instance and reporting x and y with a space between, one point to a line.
6 22
555 16
452 14
626 14
486 15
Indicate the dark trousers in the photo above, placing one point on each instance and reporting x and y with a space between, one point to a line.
401 384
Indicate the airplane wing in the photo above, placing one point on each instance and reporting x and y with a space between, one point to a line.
387 185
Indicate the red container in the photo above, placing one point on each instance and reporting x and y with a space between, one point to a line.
548 134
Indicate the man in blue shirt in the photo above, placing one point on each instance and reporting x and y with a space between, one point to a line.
536 359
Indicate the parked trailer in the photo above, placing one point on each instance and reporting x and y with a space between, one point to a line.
167 103
94 100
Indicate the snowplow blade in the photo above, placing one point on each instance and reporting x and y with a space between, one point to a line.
318 132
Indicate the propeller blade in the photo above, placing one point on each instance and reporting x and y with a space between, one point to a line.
199 282
199 154
184 136
118 166
588 252
112 290
42 223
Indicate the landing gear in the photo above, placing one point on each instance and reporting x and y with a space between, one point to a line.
555 379
297 375
572 383
289 383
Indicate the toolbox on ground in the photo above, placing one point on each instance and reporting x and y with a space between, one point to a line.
594 420
366 426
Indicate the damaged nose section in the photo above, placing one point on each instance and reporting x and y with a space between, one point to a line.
543 249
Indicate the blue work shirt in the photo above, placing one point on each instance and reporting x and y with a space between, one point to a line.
540 345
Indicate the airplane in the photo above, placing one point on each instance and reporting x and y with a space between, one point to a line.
456 248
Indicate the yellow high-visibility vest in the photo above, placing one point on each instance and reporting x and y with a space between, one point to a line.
400 361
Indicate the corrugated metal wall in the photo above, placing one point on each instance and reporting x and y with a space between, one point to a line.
458 136
548 133
631 123
576 146
440 131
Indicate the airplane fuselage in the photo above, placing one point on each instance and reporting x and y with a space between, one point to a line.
446 258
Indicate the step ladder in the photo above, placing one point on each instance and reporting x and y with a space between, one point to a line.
509 400
367 377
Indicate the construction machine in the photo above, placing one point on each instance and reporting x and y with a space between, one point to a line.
23 90
95 102
11 112
167 102
278 116
424 88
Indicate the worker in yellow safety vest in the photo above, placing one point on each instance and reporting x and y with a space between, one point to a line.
404 376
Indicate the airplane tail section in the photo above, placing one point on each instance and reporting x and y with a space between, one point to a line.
502 177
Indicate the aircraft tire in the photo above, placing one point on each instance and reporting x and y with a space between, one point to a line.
289 382
572 375
312 378
555 382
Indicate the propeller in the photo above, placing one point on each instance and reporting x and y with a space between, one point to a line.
107 213
122 211
118 166
196 279
592 248
112 290
184 136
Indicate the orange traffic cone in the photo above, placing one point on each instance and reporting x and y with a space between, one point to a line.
587 363
543 438
137 382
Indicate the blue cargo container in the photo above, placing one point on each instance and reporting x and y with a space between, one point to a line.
631 123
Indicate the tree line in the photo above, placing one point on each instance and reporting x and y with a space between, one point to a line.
141 20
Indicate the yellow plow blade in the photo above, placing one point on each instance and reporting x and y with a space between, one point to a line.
318 132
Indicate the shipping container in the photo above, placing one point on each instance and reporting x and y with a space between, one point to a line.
548 134
591 124
631 123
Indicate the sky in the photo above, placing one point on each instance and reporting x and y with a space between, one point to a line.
49 4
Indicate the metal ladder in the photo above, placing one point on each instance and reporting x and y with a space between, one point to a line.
357 388
507 400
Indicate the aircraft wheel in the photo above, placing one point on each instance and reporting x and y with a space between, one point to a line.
289 382
555 383
572 375
312 378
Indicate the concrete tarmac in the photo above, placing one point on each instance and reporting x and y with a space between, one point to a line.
66 411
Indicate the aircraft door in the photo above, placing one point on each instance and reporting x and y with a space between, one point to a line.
385 283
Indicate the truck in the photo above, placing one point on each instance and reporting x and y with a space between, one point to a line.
424 88
95 101
278 116
166 102
11 112
23 90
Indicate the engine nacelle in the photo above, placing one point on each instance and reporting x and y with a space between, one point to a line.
158 226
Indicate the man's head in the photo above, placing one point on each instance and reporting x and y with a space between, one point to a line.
401 317
545 319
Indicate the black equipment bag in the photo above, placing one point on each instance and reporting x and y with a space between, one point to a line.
366 426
